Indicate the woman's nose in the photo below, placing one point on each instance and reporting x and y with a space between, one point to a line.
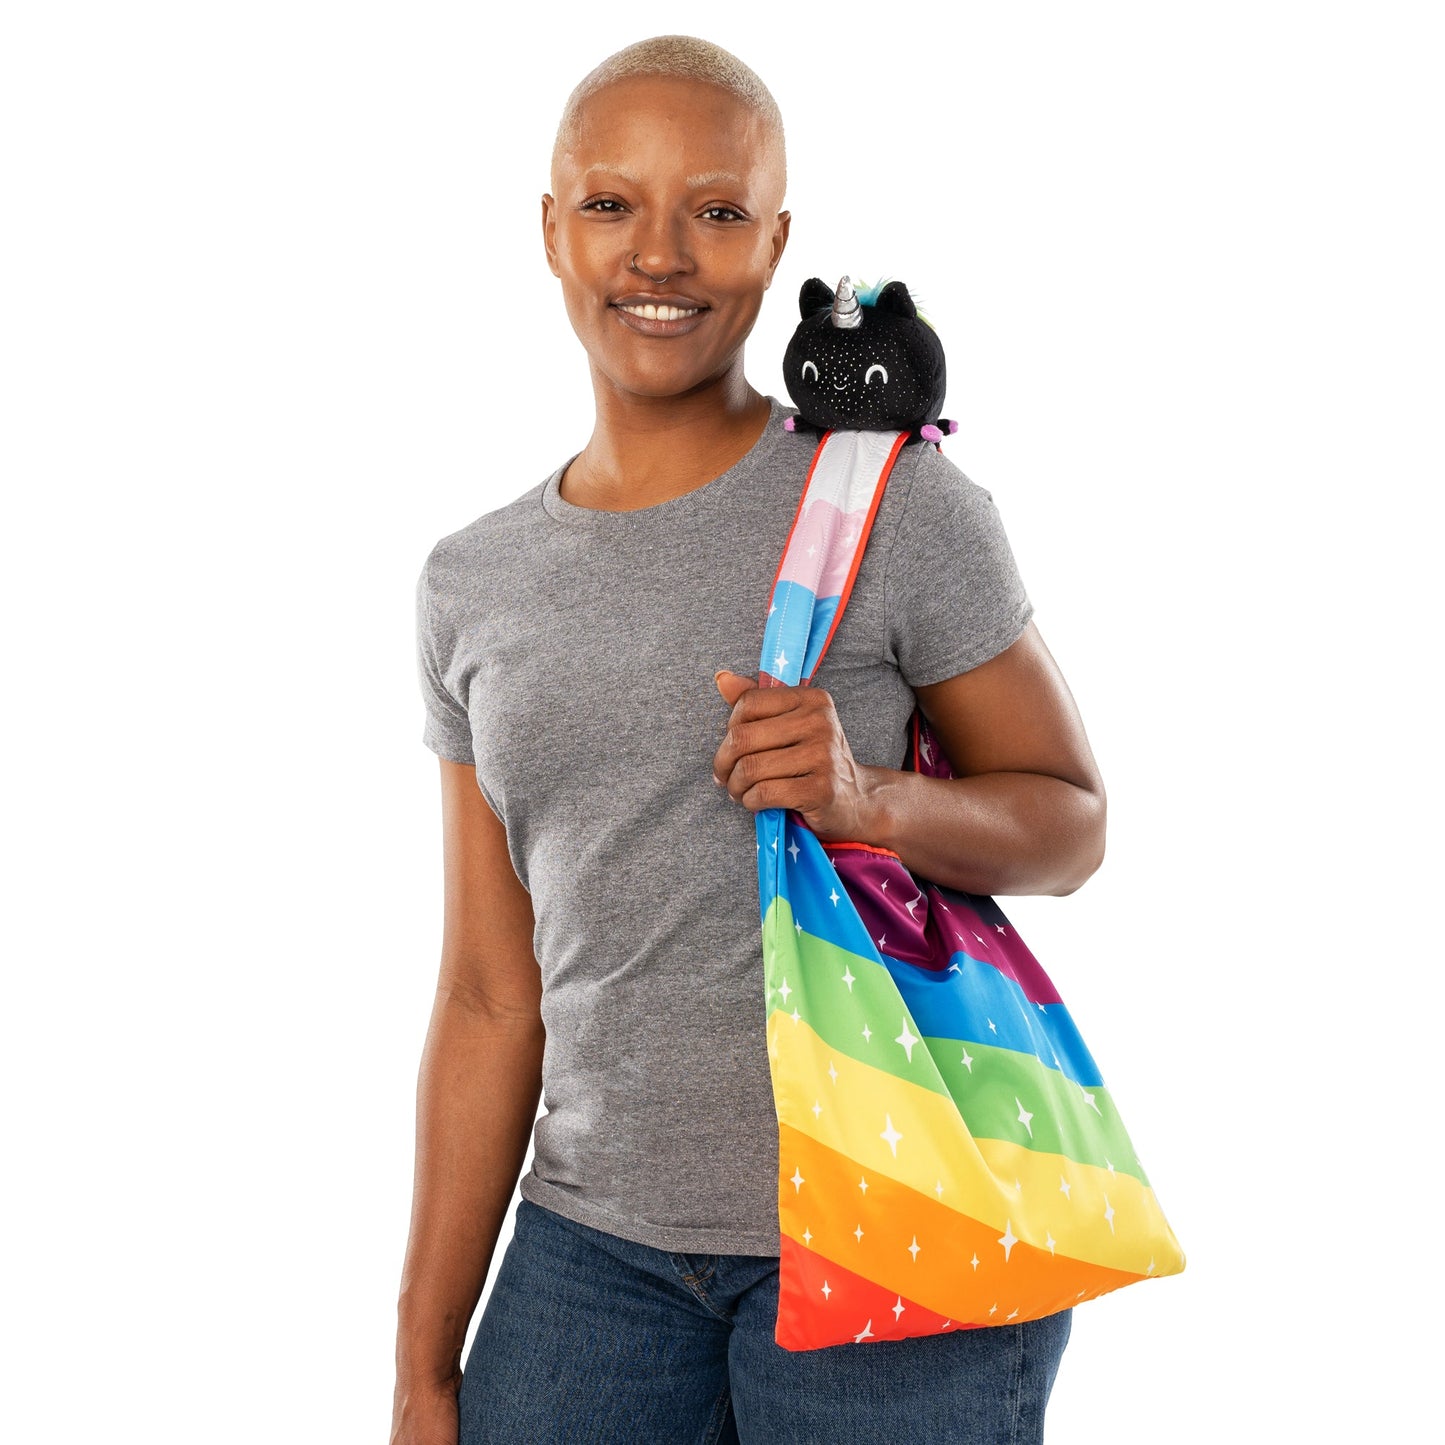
660 250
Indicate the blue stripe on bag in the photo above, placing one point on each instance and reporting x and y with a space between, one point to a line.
796 629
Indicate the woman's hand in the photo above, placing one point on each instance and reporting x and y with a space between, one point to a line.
784 748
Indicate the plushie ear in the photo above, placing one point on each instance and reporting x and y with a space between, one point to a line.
815 296
894 297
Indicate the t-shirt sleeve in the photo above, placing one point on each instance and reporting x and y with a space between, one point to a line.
954 596
447 730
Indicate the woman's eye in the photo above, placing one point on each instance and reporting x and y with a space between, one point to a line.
722 213
882 374
605 204
807 367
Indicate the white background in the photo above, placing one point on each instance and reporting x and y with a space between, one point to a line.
276 318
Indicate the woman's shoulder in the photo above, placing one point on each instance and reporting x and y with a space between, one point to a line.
498 533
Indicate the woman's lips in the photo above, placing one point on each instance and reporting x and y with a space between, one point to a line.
659 315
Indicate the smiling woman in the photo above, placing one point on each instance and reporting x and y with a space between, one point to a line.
587 656
664 225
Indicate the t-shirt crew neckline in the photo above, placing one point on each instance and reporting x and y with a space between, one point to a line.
561 510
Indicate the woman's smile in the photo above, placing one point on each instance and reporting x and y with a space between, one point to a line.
655 315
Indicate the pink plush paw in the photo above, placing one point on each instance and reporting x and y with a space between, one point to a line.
790 424
931 433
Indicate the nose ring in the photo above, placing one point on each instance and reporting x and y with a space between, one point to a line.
656 280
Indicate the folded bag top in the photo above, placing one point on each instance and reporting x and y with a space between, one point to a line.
948 1154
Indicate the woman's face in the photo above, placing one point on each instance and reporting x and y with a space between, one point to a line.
683 177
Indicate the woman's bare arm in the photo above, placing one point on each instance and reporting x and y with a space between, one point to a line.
1024 814
1026 811
477 1094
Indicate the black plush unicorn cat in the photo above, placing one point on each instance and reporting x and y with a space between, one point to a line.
868 363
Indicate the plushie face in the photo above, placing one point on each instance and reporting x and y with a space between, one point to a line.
884 372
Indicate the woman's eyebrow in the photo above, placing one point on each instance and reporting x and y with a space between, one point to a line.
693 183
713 178
620 173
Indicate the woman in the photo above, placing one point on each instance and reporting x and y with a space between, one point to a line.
586 653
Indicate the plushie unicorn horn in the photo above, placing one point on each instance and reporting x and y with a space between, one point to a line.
846 311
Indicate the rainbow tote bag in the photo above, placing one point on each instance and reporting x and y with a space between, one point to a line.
949 1157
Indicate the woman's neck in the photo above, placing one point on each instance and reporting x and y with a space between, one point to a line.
644 450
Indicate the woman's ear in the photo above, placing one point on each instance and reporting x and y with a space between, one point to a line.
780 241
549 232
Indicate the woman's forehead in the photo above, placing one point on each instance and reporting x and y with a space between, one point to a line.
634 128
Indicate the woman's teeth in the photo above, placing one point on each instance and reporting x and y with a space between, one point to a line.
661 313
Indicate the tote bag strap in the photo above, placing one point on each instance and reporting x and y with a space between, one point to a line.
824 549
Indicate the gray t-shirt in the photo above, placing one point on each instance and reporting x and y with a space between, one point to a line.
569 654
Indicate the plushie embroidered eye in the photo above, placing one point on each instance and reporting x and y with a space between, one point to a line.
807 367
882 373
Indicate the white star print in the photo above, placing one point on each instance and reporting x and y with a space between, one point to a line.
1007 1239
1109 1213
925 750
865 1333
1108 1165
863 1183
795 1015
798 927
999 926
911 906
974 1261
781 662
1066 1189
832 1072
897 1309
880 941
795 850
993 1027
907 1040
994 1310
783 989
1089 1100
796 1179
807 1236
858 1234
891 1135
1012 1314
834 895
938 1188
967 1059
848 977
817 1108
867 1034
1150 1270
1050 1241
826 1290
1025 1117
914 1248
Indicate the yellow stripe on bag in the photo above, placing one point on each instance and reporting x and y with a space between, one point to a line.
917 1137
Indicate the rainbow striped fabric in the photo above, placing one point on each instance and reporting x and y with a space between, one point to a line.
948 1154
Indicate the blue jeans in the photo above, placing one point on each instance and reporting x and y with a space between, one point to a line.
594 1340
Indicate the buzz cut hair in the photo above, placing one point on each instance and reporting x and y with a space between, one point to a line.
683 57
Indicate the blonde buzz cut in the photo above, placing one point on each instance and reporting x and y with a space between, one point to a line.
680 57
